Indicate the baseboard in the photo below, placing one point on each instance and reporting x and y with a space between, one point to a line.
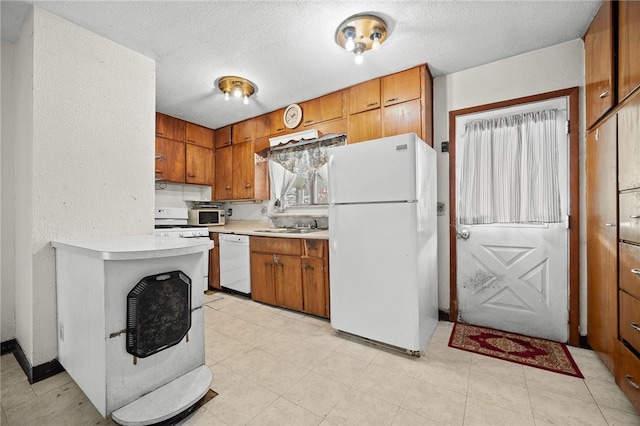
443 315
8 346
39 372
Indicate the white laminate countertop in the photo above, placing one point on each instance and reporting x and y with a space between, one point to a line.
251 227
133 247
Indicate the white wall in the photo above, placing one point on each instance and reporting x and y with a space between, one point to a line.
7 195
87 167
545 70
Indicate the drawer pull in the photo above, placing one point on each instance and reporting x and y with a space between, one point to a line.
635 216
635 326
631 382
604 94
635 271
609 224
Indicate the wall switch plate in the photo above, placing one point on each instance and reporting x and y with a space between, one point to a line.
440 209
445 146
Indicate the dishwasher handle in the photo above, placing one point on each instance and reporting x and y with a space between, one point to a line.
242 240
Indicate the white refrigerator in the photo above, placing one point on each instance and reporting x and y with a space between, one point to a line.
383 241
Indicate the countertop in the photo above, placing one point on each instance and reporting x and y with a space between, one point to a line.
249 227
134 246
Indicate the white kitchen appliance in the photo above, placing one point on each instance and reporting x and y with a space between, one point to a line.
383 241
171 222
206 217
235 265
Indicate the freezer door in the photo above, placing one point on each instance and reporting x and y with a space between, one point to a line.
379 170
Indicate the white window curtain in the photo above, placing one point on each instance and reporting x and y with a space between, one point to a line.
282 180
509 170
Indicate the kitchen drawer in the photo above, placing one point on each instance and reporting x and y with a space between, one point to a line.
276 245
630 320
630 269
314 248
629 208
628 373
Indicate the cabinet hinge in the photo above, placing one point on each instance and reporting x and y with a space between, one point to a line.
566 129
567 222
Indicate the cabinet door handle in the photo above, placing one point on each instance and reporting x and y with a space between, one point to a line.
308 121
228 188
275 259
159 133
247 185
634 216
629 380
248 138
391 100
635 271
188 175
372 104
191 140
609 224
635 326
604 94
280 129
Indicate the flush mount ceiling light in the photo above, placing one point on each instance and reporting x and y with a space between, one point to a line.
362 32
237 87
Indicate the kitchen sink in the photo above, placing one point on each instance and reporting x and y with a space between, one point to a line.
289 230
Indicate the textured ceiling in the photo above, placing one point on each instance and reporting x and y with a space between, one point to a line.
288 49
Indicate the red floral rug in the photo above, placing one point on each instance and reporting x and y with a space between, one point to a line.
513 347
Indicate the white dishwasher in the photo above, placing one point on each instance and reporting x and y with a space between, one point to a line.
235 267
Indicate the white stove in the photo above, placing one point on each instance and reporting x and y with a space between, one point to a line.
171 222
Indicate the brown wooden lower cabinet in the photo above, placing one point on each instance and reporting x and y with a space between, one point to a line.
214 262
290 272
627 373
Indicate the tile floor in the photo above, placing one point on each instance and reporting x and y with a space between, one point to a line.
276 367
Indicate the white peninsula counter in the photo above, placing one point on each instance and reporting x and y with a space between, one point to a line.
95 281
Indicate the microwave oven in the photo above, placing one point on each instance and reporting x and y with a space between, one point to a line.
206 217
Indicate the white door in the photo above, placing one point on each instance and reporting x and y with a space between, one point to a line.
514 277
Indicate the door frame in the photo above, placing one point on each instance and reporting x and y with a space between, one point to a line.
573 201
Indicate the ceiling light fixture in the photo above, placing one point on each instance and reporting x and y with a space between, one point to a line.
362 32
237 87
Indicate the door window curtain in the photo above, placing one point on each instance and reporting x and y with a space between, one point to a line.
509 170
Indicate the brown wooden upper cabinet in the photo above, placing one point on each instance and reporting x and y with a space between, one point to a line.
599 50
199 135
169 127
276 122
364 96
170 160
242 131
199 165
364 126
223 136
324 108
401 87
402 118
628 47
628 146
223 182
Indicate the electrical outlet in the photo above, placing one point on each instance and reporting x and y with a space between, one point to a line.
61 331
229 212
